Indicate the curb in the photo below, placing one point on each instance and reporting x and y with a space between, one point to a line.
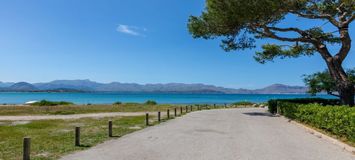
318 134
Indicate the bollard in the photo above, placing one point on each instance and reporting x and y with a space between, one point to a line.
77 136
191 108
26 148
175 112
147 119
159 116
186 109
180 110
109 128
168 113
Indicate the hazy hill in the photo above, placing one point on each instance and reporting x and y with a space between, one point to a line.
281 89
91 86
22 86
5 84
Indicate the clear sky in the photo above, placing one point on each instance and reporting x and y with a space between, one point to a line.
140 41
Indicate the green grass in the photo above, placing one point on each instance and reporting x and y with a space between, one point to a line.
51 139
80 109
51 103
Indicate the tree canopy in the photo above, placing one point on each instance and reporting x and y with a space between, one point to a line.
240 22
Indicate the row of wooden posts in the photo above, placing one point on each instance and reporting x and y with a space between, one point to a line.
27 140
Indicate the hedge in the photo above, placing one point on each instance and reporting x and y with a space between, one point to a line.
272 104
337 120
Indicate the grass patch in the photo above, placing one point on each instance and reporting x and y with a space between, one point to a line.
81 109
51 139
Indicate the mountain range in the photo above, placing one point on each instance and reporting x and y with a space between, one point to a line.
91 86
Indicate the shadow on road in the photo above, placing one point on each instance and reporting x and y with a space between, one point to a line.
260 114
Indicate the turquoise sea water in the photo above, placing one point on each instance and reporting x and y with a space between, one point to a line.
108 98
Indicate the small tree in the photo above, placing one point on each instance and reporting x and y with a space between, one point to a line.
240 22
323 82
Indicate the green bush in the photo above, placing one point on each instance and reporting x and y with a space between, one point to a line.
243 103
273 103
117 103
337 120
150 102
51 103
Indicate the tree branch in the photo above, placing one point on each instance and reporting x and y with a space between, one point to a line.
321 16
347 22
268 33
301 32
346 44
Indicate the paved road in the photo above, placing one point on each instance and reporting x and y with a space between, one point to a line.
235 134
72 116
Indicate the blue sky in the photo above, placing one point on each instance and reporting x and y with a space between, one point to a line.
136 41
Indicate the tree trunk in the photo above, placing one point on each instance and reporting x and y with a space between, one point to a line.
346 92
344 85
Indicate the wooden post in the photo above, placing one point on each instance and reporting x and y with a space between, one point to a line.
159 116
186 109
26 148
168 113
109 128
191 108
175 112
147 119
180 110
77 136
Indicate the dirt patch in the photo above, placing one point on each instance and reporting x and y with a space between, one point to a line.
135 127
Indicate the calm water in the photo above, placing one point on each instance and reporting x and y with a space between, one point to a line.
107 98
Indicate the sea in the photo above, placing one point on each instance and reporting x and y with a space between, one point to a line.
162 98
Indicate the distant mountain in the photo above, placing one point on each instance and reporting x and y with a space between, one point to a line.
5 84
281 89
91 86
82 85
22 86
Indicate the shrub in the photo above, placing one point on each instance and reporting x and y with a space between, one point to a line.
150 102
337 120
117 103
63 112
51 103
273 103
243 103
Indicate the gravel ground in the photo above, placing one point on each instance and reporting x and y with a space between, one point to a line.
233 134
